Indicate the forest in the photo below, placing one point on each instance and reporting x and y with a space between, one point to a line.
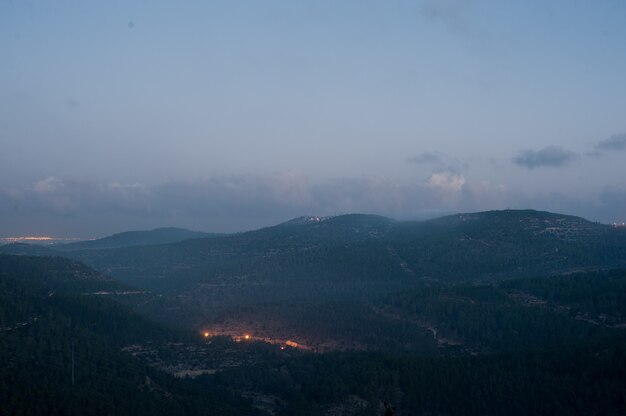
347 316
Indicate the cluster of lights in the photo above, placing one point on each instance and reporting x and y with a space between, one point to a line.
248 337
207 334
35 239
29 238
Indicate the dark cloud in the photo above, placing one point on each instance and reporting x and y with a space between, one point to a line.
427 158
615 142
221 203
552 156
67 207
440 162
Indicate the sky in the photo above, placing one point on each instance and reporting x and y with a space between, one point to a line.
231 115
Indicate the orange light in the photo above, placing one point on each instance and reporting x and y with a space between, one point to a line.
246 336
206 334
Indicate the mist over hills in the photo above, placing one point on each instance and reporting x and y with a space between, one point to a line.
353 257
136 238
349 254
463 247
161 235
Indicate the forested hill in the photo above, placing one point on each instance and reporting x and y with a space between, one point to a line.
46 324
463 247
24 249
55 274
136 238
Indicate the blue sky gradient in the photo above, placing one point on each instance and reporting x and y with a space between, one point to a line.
228 115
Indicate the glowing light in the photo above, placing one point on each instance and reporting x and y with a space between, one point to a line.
206 334
28 238
45 239
246 336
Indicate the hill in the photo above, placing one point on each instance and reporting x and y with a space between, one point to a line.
372 249
520 346
512 346
24 249
61 350
136 238
505 244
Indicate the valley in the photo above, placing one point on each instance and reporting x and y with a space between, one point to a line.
326 316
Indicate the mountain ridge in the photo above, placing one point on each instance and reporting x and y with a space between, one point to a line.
355 247
161 235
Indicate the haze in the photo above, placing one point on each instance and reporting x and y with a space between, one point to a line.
226 116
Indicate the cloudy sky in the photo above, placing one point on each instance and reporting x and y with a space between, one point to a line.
231 115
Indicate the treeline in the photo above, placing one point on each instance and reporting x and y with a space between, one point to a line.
591 293
486 319
585 379
56 274
510 316
46 333
349 325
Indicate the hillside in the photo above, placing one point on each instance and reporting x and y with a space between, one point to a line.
505 244
49 327
508 316
513 346
136 238
23 249
552 345
360 248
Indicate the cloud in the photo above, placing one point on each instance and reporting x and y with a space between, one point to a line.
616 142
50 184
67 197
426 158
551 156
62 206
223 203
441 162
446 181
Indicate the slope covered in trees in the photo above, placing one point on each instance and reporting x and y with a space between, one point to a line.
136 238
358 248
582 379
61 349
544 345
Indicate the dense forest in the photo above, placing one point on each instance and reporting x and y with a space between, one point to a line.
583 379
61 350
512 312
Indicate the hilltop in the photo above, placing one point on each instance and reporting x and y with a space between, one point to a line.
462 247
136 238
